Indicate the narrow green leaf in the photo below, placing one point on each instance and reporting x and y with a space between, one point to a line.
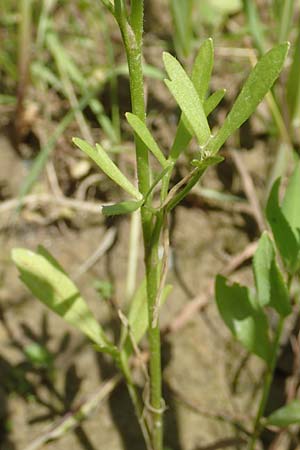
182 18
100 157
270 285
206 162
122 208
247 324
54 288
285 239
202 68
183 137
184 92
142 131
260 80
293 83
285 416
291 201
213 100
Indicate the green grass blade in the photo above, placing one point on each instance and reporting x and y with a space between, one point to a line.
255 25
182 18
286 14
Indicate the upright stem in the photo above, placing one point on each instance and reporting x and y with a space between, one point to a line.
267 385
132 32
24 52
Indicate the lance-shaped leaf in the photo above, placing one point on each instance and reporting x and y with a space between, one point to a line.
291 201
248 324
260 80
122 208
284 236
202 68
100 157
213 100
285 416
184 92
183 136
144 134
44 277
270 285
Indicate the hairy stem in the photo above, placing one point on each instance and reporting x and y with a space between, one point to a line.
132 32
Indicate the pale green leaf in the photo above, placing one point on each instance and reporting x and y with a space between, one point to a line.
259 82
54 288
144 134
247 324
122 208
100 157
187 98
182 136
285 416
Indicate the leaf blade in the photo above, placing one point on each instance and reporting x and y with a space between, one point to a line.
184 92
142 131
100 157
258 83
54 288
285 416
247 324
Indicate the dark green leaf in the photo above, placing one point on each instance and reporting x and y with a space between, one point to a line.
121 208
270 285
285 416
247 324
285 239
259 82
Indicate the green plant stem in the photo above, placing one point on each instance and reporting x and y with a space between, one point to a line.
132 36
136 401
267 385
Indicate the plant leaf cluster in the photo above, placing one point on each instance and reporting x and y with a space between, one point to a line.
244 311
